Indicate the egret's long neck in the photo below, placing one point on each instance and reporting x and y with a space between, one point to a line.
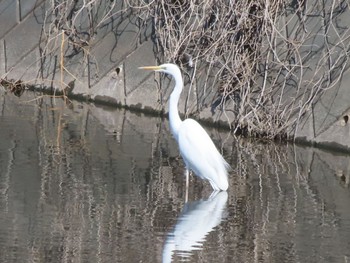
174 117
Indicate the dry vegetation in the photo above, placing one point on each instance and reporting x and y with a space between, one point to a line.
269 60
264 62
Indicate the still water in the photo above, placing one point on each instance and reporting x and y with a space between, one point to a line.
82 183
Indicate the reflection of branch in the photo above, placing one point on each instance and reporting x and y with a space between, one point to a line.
62 63
5 183
59 130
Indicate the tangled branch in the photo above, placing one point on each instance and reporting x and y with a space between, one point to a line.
266 62
269 60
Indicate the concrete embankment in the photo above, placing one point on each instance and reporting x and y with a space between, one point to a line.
102 64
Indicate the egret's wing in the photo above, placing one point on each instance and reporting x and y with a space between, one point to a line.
201 155
198 149
194 142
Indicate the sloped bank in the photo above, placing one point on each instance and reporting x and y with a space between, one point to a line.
289 81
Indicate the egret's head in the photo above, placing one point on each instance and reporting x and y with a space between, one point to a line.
171 69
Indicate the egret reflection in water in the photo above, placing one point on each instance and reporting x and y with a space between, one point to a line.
197 220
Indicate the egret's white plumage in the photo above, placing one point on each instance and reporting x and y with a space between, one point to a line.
196 147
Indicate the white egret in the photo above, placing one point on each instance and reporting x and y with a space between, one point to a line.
196 147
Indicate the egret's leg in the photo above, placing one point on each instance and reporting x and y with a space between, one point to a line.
187 183
215 188
187 178
213 194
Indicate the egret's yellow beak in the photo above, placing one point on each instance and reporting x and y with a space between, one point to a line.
151 68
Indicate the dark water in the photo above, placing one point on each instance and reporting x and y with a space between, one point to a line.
91 184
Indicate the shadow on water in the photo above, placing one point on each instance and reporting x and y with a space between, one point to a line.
92 184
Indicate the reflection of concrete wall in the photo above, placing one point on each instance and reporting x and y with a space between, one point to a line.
106 68
328 195
117 183
293 203
107 154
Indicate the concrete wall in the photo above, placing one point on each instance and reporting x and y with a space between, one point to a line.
103 65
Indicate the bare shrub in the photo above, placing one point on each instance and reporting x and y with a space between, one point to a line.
271 60
266 62
69 33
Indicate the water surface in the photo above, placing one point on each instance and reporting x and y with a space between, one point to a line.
83 183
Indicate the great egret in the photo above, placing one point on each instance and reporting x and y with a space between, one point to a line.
196 147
